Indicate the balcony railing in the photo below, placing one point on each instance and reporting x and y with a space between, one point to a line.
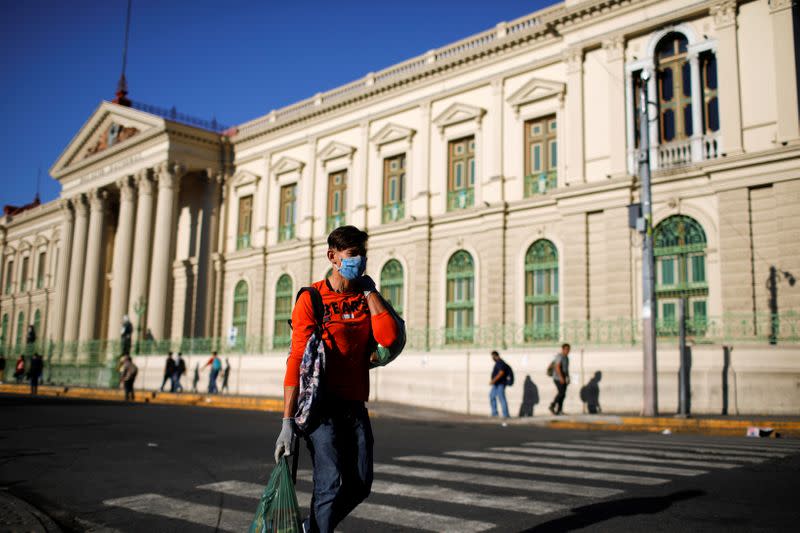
173 115
460 199
286 232
393 212
681 153
243 241
540 183
335 221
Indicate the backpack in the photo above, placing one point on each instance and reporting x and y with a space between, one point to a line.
509 375
551 368
312 367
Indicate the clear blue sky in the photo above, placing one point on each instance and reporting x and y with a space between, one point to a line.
233 60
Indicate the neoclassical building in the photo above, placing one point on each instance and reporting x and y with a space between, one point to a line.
494 176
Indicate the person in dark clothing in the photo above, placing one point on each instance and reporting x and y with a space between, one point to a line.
530 397
169 372
35 372
226 372
590 394
2 366
561 379
129 371
180 370
500 376
19 370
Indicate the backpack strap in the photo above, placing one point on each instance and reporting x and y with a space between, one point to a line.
316 303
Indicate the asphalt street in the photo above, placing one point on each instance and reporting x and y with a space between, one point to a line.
103 466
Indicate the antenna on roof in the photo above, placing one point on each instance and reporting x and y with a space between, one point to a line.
122 84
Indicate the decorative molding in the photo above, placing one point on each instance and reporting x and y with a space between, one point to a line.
779 5
245 177
126 191
457 113
573 57
614 48
534 90
286 164
392 132
143 182
335 150
97 199
724 13
114 134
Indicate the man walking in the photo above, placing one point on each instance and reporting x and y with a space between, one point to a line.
169 373
500 376
180 370
35 372
216 366
128 377
561 379
340 439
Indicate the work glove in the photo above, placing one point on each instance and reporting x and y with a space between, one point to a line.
366 284
285 443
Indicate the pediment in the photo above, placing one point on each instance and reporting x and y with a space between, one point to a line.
534 90
110 129
244 177
458 113
334 150
286 164
392 132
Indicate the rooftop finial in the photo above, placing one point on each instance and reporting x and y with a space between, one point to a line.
122 84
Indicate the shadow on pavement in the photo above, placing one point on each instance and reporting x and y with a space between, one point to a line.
595 513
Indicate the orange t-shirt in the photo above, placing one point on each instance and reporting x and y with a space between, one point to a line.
349 334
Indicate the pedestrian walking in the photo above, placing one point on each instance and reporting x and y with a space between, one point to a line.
196 377
2 366
559 370
126 333
180 370
216 366
169 373
35 372
129 371
19 370
340 437
225 374
502 376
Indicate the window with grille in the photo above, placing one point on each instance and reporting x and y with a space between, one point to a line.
394 177
40 271
288 213
240 312
541 155
541 291
282 337
337 199
460 306
680 253
20 329
245 222
674 88
392 284
461 173
708 75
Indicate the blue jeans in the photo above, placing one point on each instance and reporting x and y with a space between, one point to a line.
341 453
212 381
498 391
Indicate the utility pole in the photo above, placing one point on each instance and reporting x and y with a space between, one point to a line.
683 377
650 406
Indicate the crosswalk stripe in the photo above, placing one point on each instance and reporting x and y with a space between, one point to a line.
519 504
649 469
654 453
752 445
698 449
366 511
196 513
535 470
617 457
505 482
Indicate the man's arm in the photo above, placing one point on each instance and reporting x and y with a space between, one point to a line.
561 377
497 377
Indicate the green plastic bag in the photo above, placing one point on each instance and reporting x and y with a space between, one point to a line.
278 511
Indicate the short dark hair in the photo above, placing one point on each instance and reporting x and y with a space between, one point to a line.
565 345
494 352
214 353
347 237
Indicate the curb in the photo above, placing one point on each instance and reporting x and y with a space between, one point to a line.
17 515
706 426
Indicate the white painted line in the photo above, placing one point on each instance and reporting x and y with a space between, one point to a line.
519 504
366 511
534 470
748 445
688 448
654 453
204 515
497 481
648 469
617 457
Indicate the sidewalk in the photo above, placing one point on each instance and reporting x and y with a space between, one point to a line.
786 426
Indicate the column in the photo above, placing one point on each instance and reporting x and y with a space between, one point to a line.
730 108
615 54
62 284
697 108
785 69
77 263
215 182
492 180
141 245
168 176
91 280
121 265
574 105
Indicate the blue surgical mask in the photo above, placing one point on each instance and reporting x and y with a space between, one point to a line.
353 267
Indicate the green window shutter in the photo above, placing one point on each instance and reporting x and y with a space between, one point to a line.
541 291
392 284
282 336
698 269
240 301
459 304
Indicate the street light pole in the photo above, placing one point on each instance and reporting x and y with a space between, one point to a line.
650 406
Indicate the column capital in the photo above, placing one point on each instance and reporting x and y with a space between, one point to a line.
143 183
126 190
65 206
80 205
168 173
2 235
215 176
97 199
614 47
779 5
724 13
573 57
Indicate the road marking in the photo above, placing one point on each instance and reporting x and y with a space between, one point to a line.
535 470
196 513
698 449
530 449
386 514
649 469
519 504
755 446
497 481
654 453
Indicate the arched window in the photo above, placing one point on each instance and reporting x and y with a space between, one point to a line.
20 330
4 334
283 312
460 307
240 312
680 253
674 88
37 325
541 291
392 284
